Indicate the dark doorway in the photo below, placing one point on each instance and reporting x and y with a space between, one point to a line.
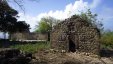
71 46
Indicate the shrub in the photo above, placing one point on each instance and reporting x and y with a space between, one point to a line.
107 39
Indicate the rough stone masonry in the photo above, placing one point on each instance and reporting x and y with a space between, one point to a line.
75 34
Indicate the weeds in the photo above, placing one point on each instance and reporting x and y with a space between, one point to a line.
32 48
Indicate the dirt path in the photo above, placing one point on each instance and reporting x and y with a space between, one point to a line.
70 58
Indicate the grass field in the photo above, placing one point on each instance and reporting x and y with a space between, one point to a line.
32 48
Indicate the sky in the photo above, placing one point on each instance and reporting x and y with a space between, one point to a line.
62 9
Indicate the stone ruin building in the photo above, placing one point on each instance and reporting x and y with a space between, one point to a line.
75 34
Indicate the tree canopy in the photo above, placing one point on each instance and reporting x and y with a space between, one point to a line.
8 19
45 24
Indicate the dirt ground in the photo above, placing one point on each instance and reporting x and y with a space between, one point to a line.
55 57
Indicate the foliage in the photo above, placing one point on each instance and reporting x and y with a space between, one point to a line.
8 19
20 3
43 26
32 48
107 39
92 19
21 26
46 24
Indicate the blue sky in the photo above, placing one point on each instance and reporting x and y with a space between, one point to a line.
62 9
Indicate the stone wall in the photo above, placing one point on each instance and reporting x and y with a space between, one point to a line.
29 36
75 34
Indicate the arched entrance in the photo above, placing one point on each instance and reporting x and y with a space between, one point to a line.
71 46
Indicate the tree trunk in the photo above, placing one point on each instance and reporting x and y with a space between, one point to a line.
48 36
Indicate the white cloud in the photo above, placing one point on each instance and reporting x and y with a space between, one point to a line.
70 9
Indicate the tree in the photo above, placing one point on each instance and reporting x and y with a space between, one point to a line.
22 26
6 16
18 2
92 19
46 24
8 20
43 26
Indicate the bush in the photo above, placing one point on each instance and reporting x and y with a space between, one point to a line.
107 39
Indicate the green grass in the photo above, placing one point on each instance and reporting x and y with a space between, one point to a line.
32 48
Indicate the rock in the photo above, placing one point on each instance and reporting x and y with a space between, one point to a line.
14 56
107 60
34 61
9 53
63 51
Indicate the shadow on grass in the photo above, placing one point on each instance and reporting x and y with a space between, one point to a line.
5 43
106 53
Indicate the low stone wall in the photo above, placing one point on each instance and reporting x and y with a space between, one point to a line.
29 36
